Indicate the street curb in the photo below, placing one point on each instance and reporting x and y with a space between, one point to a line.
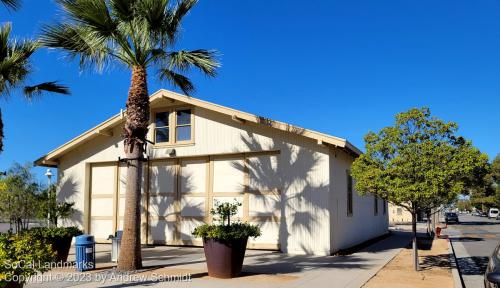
457 279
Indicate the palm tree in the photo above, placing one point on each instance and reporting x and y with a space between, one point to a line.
16 67
140 35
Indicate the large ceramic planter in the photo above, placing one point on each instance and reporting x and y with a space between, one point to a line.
224 257
61 246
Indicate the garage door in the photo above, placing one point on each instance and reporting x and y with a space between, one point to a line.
182 192
107 199
120 209
102 200
264 199
193 187
162 199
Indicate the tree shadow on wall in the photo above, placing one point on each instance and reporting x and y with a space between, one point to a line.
67 191
164 205
300 194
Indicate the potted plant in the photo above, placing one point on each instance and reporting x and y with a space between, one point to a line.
225 243
22 256
58 237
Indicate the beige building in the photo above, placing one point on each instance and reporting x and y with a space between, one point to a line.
398 215
294 183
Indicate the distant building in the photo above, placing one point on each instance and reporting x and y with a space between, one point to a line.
398 215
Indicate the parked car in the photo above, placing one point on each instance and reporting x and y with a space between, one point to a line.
492 274
493 213
451 217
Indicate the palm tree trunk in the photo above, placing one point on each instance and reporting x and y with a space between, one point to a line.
135 130
1 132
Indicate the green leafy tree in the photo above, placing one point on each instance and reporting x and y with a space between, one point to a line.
495 178
18 192
141 36
484 186
50 207
464 205
418 163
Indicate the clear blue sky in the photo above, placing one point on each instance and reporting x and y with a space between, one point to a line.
339 67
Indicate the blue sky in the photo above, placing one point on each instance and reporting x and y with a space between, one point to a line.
339 67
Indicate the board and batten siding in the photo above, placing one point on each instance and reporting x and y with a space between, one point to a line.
303 169
363 224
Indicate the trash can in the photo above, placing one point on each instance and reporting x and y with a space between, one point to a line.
115 245
85 252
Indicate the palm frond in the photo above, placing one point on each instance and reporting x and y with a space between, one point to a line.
5 30
175 17
92 13
53 87
78 41
134 32
205 60
123 9
11 4
153 11
178 80
14 60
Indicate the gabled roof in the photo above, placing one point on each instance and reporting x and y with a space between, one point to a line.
50 159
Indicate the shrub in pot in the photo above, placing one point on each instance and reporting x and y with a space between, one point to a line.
225 243
22 256
58 237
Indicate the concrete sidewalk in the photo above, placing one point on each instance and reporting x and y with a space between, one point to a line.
261 268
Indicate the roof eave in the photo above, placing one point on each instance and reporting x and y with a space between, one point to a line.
50 159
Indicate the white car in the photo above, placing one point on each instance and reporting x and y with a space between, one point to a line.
493 213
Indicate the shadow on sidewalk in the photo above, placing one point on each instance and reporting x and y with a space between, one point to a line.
432 261
474 265
466 239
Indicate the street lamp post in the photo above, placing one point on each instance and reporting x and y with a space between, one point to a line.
49 178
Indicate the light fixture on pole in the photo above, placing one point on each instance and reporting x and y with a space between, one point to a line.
49 178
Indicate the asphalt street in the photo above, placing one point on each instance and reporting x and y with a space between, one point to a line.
473 240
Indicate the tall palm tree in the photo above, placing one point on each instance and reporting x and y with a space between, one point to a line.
140 35
16 67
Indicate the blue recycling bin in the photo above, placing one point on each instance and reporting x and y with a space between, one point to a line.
85 252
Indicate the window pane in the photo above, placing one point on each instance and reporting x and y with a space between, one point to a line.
183 117
183 133
161 119
161 135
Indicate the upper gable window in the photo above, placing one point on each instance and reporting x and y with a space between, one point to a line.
173 126
162 131
183 125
